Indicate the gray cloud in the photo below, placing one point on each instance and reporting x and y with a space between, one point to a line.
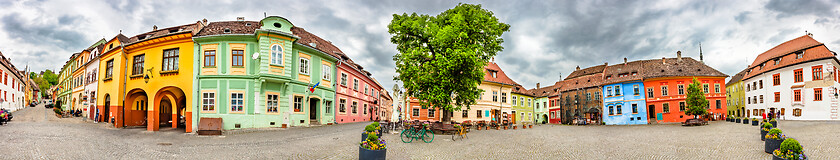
802 7
51 33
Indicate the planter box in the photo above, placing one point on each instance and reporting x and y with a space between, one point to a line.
755 123
775 124
367 154
746 121
365 135
737 120
771 145
763 133
780 158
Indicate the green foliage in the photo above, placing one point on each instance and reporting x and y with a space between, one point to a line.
754 119
372 137
792 145
773 120
745 118
441 58
57 110
696 100
50 77
775 131
370 128
767 125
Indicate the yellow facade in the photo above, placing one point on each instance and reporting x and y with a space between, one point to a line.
486 104
110 90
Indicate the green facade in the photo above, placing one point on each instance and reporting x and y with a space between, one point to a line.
523 106
263 81
541 109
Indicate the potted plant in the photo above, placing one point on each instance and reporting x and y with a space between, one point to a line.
372 128
773 121
530 125
737 120
765 128
746 120
789 150
773 140
755 122
372 148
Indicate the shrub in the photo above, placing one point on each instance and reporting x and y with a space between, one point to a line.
57 110
775 133
767 126
373 142
746 119
370 128
773 120
791 145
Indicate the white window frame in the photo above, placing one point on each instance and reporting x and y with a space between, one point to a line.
325 72
237 102
271 101
342 103
327 106
276 55
355 84
304 66
344 79
208 100
297 102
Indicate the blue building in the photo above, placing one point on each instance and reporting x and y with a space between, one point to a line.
624 95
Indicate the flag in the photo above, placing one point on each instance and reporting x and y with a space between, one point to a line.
312 89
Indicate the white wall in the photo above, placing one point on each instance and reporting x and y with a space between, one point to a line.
811 110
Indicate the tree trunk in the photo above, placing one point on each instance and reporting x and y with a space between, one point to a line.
446 116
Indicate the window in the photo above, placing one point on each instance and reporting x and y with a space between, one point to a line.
817 94
705 88
776 62
355 84
761 98
414 112
170 60
537 105
776 79
611 110
521 101
778 97
304 66
354 107
343 79
816 71
800 55
666 108
495 96
514 100
682 106
635 108
236 102
717 104
717 88
271 103
366 89
529 102
328 106
609 91
680 89
754 85
109 69
618 109
797 112
137 69
588 97
238 58
298 103
325 72
797 75
504 97
478 113
748 87
636 90
276 54
597 96
650 92
431 112
364 109
664 90
544 105
617 90
464 114
341 105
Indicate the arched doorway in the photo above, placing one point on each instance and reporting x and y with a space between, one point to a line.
171 110
313 110
136 108
545 119
105 112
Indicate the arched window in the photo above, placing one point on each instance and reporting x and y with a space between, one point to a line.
276 54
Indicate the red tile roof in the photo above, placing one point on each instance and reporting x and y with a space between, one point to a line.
786 54
235 27
581 82
501 77
586 71
630 71
736 77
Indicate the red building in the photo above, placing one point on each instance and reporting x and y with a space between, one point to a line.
666 84
415 112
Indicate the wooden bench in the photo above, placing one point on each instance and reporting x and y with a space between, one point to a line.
694 122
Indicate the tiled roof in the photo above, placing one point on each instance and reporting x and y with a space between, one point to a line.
194 27
586 71
786 54
308 39
675 67
629 71
521 90
547 91
235 27
736 77
581 82
501 77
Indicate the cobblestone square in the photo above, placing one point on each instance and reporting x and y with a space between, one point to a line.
36 133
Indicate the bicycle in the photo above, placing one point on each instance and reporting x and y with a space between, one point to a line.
419 131
461 133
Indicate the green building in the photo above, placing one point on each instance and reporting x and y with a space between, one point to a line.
735 95
522 103
542 102
259 74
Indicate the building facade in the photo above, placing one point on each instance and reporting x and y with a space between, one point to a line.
12 86
666 83
522 102
735 95
357 93
796 79
624 100
494 103
582 96
110 87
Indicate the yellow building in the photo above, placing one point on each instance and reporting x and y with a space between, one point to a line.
111 90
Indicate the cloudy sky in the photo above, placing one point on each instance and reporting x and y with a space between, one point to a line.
547 39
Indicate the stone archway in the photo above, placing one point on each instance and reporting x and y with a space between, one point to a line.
171 110
135 108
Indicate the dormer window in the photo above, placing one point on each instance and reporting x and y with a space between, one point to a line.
493 73
278 25
800 55
247 24
761 66
776 62
227 30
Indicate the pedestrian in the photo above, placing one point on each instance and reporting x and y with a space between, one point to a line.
763 115
772 115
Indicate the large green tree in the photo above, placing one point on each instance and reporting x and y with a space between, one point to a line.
50 77
441 58
696 100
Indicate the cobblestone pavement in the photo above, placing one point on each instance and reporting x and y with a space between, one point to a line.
36 133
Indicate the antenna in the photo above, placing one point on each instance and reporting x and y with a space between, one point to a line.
701 51
265 15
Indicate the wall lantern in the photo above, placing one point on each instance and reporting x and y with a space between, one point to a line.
146 78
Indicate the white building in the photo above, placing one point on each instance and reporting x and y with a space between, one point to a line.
90 81
12 86
796 78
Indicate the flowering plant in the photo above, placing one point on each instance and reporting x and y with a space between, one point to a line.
766 126
372 128
773 120
775 134
790 150
373 142
456 126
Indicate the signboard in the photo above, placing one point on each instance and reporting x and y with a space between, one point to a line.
658 116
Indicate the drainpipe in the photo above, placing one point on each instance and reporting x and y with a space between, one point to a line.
125 76
197 83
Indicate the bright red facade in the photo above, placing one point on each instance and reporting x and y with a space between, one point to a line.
672 97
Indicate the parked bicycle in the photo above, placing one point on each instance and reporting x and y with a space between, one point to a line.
417 131
461 133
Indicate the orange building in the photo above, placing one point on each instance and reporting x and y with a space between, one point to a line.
416 112
666 87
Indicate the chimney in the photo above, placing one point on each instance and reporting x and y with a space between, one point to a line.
577 68
663 60
240 19
625 60
204 21
679 56
492 59
154 28
538 85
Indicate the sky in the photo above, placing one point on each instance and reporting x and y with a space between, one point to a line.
546 41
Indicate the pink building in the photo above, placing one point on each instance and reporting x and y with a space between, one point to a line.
357 93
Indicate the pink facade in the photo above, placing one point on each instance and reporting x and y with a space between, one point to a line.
357 94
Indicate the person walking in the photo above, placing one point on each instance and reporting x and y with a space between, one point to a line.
764 116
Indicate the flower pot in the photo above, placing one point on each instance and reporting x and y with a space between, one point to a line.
367 154
530 126
774 124
780 158
365 135
763 133
771 145
479 128
755 123
737 120
505 127
746 121
514 127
